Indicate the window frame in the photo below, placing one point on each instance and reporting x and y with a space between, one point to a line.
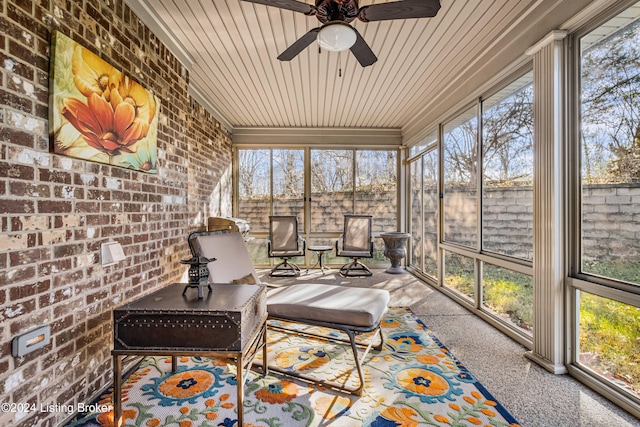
577 280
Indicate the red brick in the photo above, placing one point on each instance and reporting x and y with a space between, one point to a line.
26 21
24 257
15 171
54 266
18 274
29 189
19 103
13 311
58 206
52 175
23 291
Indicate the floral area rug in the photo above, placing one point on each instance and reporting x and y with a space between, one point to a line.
412 381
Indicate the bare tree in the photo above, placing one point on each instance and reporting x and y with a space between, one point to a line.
460 153
288 172
253 167
507 129
611 107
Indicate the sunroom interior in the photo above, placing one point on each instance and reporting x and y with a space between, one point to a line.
503 136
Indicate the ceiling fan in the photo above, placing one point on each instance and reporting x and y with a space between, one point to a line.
335 33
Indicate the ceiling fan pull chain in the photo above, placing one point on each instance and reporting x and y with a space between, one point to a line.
339 64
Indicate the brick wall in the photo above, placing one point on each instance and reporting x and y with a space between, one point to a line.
56 211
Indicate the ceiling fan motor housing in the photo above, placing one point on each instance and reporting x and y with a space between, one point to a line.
336 10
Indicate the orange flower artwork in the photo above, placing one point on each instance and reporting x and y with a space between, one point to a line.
99 114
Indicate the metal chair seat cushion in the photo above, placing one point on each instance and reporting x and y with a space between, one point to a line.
356 254
350 307
281 254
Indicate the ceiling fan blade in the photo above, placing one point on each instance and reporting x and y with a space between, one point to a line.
299 45
362 51
399 10
294 5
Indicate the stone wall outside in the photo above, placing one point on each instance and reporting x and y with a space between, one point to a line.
611 218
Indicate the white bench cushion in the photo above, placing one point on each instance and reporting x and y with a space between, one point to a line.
328 303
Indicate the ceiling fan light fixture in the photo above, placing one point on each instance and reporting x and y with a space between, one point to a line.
336 36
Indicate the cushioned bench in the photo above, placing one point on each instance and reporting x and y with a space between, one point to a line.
350 310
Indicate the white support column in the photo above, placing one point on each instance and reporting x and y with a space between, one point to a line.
549 69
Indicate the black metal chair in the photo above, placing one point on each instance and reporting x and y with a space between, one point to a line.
284 242
357 243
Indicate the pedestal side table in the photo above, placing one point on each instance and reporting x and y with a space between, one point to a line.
319 250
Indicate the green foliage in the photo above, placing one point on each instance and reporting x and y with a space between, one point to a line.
610 334
609 330
623 271
510 294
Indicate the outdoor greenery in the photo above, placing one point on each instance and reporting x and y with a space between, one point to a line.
609 330
509 294
505 292
610 339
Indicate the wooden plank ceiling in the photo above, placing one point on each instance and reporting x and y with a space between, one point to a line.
234 45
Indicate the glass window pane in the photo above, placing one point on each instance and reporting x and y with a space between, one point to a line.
430 209
460 179
610 148
509 294
427 141
288 184
416 214
258 251
254 188
507 160
376 188
459 274
608 340
331 189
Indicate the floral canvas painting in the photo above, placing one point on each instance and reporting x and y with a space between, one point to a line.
97 113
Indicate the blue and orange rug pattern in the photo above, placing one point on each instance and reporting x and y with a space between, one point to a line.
413 381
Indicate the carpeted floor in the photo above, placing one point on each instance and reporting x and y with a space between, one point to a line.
414 380
534 396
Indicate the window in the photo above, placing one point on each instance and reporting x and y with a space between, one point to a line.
607 258
331 189
288 183
610 147
416 214
254 186
509 295
459 274
608 332
376 186
460 151
486 240
430 211
424 205
507 163
344 181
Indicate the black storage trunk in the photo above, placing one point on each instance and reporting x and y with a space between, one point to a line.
165 320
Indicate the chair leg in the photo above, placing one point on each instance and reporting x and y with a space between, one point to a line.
357 359
355 269
285 269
